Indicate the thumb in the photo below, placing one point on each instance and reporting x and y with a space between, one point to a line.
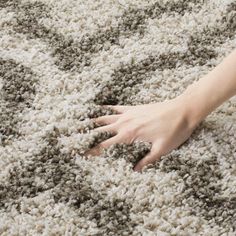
150 158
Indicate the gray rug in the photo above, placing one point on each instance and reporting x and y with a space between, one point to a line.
60 61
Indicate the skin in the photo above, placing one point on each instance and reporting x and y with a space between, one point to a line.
169 124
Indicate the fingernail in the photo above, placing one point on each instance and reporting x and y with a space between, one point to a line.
136 169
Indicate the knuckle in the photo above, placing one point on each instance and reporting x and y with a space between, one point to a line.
100 118
131 131
99 129
129 134
102 145
159 147
135 128
124 119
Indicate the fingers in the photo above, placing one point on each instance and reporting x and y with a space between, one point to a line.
107 128
95 151
119 108
108 119
150 158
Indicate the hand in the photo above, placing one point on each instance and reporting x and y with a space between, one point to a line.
163 124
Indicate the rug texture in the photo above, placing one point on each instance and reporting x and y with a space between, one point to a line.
60 62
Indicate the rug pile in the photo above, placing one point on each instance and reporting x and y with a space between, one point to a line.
60 62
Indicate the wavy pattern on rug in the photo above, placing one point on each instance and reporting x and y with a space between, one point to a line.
60 61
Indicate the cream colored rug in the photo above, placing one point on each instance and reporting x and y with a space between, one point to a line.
60 61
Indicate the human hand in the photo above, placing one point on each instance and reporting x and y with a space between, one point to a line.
164 124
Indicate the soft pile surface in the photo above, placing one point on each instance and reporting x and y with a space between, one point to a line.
60 61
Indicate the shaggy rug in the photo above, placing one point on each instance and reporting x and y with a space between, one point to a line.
60 62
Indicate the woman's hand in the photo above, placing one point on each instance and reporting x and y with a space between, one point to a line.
168 124
165 125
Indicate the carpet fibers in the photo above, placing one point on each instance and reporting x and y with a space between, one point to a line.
60 62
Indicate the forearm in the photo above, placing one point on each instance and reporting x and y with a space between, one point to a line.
209 92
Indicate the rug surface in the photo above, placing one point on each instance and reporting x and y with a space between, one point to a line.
60 61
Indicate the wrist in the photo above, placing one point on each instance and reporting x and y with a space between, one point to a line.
194 105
